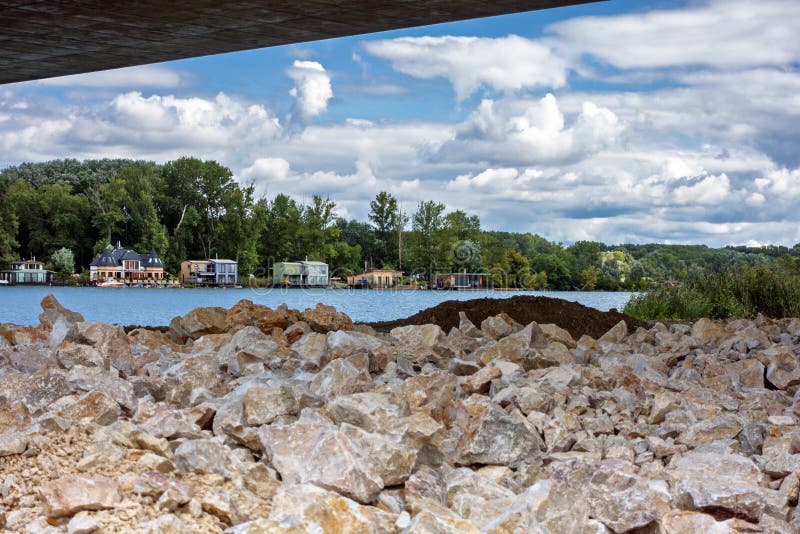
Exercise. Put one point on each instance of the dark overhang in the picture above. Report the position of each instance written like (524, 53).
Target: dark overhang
(47, 38)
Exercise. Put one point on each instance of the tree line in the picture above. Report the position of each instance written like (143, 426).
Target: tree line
(191, 209)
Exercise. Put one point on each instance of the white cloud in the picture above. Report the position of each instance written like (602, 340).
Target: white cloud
(720, 34)
(705, 190)
(498, 131)
(154, 76)
(468, 63)
(312, 89)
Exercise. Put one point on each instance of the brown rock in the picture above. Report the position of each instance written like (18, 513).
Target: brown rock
(263, 404)
(430, 394)
(555, 333)
(480, 381)
(307, 508)
(111, 341)
(199, 322)
(53, 311)
(325, 319)
(219, 503)
(95, 405)
(69, 495)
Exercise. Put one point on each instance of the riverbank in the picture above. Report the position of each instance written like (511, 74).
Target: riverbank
(257, 420)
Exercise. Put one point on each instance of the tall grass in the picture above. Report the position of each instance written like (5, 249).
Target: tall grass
(745, 292)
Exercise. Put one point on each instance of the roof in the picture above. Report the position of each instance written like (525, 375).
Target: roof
(223, 261)
(377, 271)
(27, 261)
(114, 258)
(306, 262)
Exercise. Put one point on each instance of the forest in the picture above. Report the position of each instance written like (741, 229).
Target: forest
(65, 212)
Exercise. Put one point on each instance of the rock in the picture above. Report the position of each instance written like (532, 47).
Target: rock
(201, 456)
(430, 394)
(342, 377)
(746, 373)
(308, 508)
(218, 503)
(263, 404)
(69, 495)
(95, 405)
(12, 443)
(624, 501)
(296, 331)
(248, 351)
(708, 332)
(70, 354)
(324, 319)
(261, 480)
(111, 341)
(479, 382)
(783, 367)
(154, 484)
(710, 481)
(199, 322)
(246, 313)
(341, 344)
(555, 333)
(84, 379)
(467, 327)
(313, 450)
(311, 348)
(424, 488)
(391, 456)
(683, 522)
(461, 367)
(53, 311)
(489, 435)
(372, 411)
(617, 333)
(499, 326)
(82, 523)
(427, 336)
(165, 524)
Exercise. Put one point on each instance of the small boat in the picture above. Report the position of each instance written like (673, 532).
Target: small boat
(4, 283)
(111, 283)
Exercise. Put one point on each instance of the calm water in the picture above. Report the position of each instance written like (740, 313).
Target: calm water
(157, 306)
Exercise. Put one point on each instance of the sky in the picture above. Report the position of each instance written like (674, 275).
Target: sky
(629, 121)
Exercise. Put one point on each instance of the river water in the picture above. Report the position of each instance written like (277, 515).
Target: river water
(155, 307)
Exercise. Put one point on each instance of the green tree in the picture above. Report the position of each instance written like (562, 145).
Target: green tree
(384, 214)
(8, 225)
(63, 261)
(427, 226)
(588, 278)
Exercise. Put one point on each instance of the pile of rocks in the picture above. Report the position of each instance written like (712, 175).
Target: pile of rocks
(254, 420)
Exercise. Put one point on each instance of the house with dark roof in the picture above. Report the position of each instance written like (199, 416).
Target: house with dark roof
(124, 264)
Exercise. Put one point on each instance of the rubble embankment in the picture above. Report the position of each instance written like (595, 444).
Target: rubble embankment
(257, 420)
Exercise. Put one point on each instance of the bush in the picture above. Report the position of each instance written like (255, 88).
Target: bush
(770, 290)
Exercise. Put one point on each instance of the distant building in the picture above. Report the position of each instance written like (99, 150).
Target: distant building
(375, 278)
(462, 281)
(125, 264)
(27, 272)
(210, 272)
(300, 274)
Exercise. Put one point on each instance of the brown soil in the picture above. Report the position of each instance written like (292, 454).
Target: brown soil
(571, 316)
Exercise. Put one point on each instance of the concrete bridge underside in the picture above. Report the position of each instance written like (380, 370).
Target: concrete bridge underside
(46, 38)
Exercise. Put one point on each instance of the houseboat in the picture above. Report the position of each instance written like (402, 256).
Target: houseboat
(375, 279)
(300, 274)
(462, 281)
(26, 272)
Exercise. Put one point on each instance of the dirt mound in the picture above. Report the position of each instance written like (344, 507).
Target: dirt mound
(576, 318)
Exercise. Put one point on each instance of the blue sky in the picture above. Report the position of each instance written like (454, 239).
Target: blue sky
(622, 121)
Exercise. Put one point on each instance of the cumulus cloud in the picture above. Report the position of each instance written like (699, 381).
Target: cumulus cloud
(312, 89)
(154, 76)
(536, 134)
(131, 124)
(720, 34)
(468, 63)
